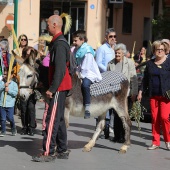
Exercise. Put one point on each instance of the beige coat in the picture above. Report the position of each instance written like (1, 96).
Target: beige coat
(129, 71)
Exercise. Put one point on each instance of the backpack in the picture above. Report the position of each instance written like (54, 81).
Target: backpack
(72, 60)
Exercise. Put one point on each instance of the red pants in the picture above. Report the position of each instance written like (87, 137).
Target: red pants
(160, 110)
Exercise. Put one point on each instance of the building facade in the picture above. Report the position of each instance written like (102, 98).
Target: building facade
(130, 18)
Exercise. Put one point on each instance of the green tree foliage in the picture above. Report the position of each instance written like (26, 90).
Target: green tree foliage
(161, 25)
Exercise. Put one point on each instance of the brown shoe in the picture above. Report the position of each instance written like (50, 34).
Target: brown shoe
(153, 147)
(167, 145)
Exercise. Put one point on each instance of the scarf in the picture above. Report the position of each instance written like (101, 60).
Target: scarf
(84, 49)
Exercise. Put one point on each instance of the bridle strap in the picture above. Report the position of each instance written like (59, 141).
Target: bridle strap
(25, 87)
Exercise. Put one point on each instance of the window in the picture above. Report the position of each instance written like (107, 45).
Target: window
(115, 1)
(127, 18)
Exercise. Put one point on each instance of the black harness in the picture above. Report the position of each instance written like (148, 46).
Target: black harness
(26, 87)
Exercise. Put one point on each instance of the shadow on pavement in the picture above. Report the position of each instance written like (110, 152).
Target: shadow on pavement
(30, 147)
(85, 126)
(80, 144)
(81, 133)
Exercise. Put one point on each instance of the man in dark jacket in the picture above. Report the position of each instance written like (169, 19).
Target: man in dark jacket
(59, 85)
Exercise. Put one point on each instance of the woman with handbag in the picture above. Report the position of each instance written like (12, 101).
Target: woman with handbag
(157, 80)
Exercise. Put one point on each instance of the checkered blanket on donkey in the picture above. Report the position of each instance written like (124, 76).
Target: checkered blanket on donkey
(110, 83)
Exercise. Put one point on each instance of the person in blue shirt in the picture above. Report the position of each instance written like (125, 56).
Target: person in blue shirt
(104, 54)
(7, 107)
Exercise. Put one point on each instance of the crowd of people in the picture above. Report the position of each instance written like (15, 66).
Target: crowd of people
(54, 63)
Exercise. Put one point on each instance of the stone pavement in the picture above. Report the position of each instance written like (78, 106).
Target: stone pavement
(16, 151)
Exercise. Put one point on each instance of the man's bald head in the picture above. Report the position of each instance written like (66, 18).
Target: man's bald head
(57, 20)
(55, 24)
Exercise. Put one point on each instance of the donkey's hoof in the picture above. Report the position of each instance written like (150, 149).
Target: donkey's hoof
(86, 149)
(122, 151)
(67, 125)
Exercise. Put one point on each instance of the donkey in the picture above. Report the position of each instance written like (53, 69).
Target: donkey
(100, 104)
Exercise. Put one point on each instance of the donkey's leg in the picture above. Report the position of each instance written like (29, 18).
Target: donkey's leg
(127, 127)
(66, 116)
(99, 129)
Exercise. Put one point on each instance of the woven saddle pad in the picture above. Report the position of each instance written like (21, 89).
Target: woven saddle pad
(110, 82)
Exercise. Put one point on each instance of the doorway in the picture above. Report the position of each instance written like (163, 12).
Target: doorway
(75, 9)
(147, 34)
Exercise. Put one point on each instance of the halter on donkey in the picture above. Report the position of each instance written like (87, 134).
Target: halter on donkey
(27, 73)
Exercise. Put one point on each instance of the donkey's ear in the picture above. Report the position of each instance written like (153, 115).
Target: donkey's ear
(18, 59)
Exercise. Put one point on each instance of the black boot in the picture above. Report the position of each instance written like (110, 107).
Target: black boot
(31, 131)
(106, 132)
(23, 131)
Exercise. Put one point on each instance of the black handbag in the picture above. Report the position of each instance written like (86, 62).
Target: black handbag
(167, 94)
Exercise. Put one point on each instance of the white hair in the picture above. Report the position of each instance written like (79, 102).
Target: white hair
(4, 44)
(122, 47)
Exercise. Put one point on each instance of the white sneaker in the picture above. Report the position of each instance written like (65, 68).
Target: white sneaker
(110, 130)
(167, 145)
(14, 132)
(153, 147)
(2, 134)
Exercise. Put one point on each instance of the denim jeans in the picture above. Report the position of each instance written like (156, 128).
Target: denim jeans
(7, 113)
(85, 88)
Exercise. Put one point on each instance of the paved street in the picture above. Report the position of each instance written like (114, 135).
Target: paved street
(16, 151)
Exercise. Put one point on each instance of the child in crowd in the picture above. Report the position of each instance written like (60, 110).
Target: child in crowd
(7, 110)
(87, 68)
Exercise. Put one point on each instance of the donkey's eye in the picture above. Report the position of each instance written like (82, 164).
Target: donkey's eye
(30, 75)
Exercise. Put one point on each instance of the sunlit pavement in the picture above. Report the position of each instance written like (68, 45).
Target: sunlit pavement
(16, 151)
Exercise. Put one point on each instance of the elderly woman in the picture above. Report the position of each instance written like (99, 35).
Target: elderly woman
(4, 54)
(157, 80)
(127, 67)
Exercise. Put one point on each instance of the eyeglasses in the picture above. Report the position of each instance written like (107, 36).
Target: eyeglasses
(161, 50)
(112, 36)
(23, 39)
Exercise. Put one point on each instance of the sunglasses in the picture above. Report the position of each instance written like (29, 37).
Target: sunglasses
(161, 50)
(23, 39)
(112, 36)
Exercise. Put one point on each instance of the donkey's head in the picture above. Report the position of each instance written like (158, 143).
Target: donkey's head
(29, 55)
(27, 73)
(28, 81)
